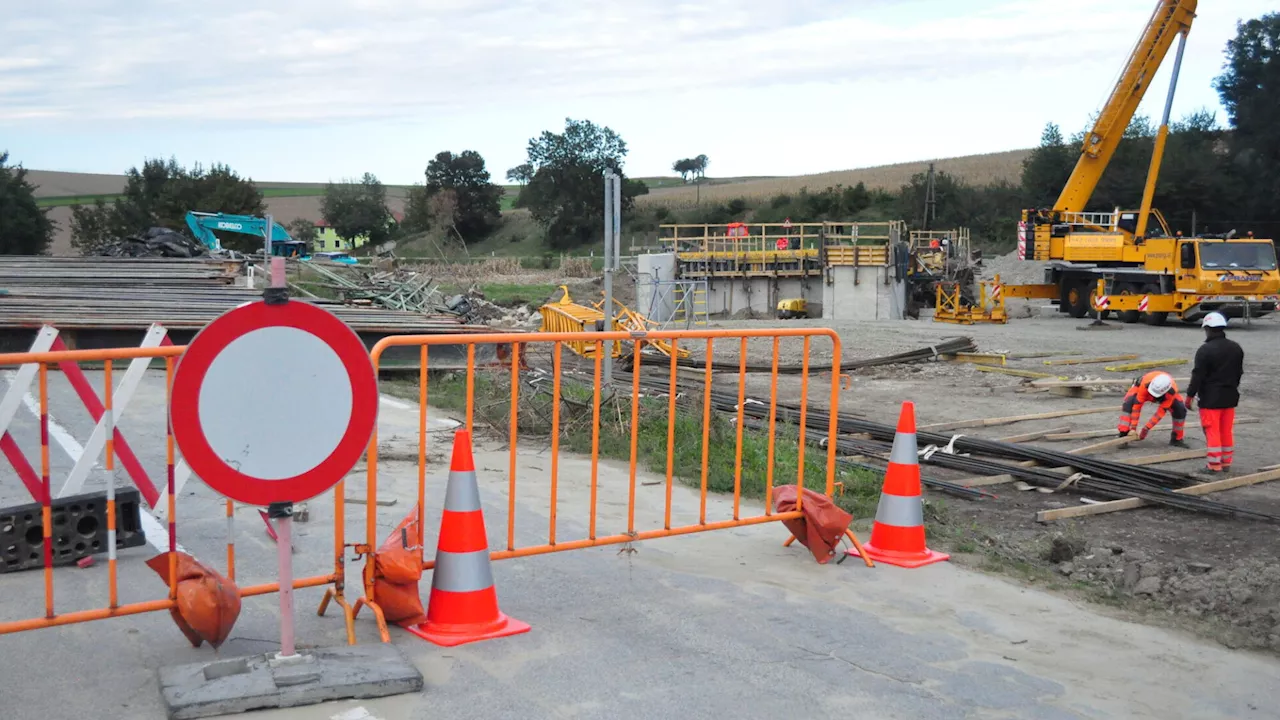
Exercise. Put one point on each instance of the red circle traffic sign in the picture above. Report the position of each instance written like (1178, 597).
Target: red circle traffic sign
(274, 403)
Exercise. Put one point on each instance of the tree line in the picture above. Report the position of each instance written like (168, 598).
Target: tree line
(1213, 179)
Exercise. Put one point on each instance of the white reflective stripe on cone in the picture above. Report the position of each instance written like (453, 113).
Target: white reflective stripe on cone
(904, 449)
(899, 511)
(462, 494)
(462, 572)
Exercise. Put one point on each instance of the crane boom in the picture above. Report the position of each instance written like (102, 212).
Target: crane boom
(1170, 19)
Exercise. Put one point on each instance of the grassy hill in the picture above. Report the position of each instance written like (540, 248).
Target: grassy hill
(288, 201)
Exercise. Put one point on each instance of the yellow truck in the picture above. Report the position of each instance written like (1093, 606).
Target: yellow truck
(1148, 272)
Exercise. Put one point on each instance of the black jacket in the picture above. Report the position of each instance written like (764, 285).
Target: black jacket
(1215, 380)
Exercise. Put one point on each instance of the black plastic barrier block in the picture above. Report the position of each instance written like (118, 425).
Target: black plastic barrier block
(79, 529)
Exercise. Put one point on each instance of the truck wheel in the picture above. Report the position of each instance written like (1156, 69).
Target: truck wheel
(1156, 318)
(1128, 316)
(1077, 299)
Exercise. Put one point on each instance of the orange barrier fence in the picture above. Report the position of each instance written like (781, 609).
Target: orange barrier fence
(521, 345)
(35, 366)
(38, 364)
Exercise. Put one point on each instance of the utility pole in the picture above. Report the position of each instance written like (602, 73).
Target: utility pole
(930, 201)
(612, 247)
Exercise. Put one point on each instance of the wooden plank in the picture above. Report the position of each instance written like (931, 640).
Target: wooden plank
(1090, 434)
(1091, 361)
(1028, 437)
(1100, 382)
(988, 422)
(984, 481)
(1166, 457)
(1038, 355)
(1147, 365)
(976, 358)
(1016, 372)
(1105, 445)
(1130, 503)
(1080, 393)
(1087, 435)
(1269, 467)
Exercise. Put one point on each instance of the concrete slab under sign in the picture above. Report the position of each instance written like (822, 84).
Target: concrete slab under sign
(237, 685)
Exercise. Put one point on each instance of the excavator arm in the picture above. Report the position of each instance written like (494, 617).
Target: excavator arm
(1171, 19)
(202, 226)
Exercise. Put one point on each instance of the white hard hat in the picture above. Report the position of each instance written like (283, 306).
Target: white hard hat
(1160, 385)
(1215, 320)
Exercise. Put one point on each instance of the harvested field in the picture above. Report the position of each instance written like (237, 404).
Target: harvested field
(974, 169)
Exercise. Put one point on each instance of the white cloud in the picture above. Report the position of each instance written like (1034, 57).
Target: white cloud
(981, 71)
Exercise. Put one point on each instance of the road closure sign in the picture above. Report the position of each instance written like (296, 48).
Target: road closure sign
(274, 403)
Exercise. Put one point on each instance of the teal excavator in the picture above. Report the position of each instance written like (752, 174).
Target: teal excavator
(203, 225)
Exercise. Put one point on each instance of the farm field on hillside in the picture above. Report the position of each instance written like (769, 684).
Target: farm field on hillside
(973, 169)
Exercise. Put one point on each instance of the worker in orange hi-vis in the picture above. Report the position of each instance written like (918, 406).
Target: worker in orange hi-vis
(1215, 379)
(1154, 387)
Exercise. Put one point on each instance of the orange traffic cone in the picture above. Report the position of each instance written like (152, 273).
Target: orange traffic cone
(897, 536)
(463, 606)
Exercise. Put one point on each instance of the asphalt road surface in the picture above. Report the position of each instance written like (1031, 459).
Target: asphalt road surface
(719, 624)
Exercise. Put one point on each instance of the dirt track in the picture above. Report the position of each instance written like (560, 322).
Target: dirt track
(1219, 574)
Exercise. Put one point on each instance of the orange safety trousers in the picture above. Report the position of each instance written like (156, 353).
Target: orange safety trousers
(1219, 438)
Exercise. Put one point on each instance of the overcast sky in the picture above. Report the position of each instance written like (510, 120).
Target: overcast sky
(316, 90)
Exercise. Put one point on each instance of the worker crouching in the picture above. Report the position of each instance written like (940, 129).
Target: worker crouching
(1154, 387)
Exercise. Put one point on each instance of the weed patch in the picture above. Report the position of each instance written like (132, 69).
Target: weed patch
(664, 442)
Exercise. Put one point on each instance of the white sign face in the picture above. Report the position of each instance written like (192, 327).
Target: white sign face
(263, 376)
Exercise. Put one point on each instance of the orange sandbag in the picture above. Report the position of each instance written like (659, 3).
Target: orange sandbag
(398, 567)
(822, 525)
(207, 603)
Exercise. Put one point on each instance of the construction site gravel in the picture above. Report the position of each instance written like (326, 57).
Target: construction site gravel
(1214, 575)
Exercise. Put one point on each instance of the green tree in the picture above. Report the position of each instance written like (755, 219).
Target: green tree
(1249, 88)
(991, 211)
(521, 173)
(566, 193)
(161, 194)
(1122, 182)
(303, 230)
(357, 209)
(1195, 181)
(1046, 169)
(684, 167)
(417, 211)
(24, 227)
(699, 166)
(478, 202)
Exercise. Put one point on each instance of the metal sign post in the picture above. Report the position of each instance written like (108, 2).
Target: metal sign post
(275, 352)
(266, 244)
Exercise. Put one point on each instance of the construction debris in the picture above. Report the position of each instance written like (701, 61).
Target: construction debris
(395, 289)
(155, 242)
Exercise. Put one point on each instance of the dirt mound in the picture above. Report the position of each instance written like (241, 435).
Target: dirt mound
(1243, 598)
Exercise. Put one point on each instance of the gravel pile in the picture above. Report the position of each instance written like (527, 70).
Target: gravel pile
(1012, 270)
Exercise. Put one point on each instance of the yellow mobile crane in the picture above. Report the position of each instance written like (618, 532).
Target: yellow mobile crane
(1148, 273)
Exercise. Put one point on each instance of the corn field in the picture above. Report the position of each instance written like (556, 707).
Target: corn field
(973, 169)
